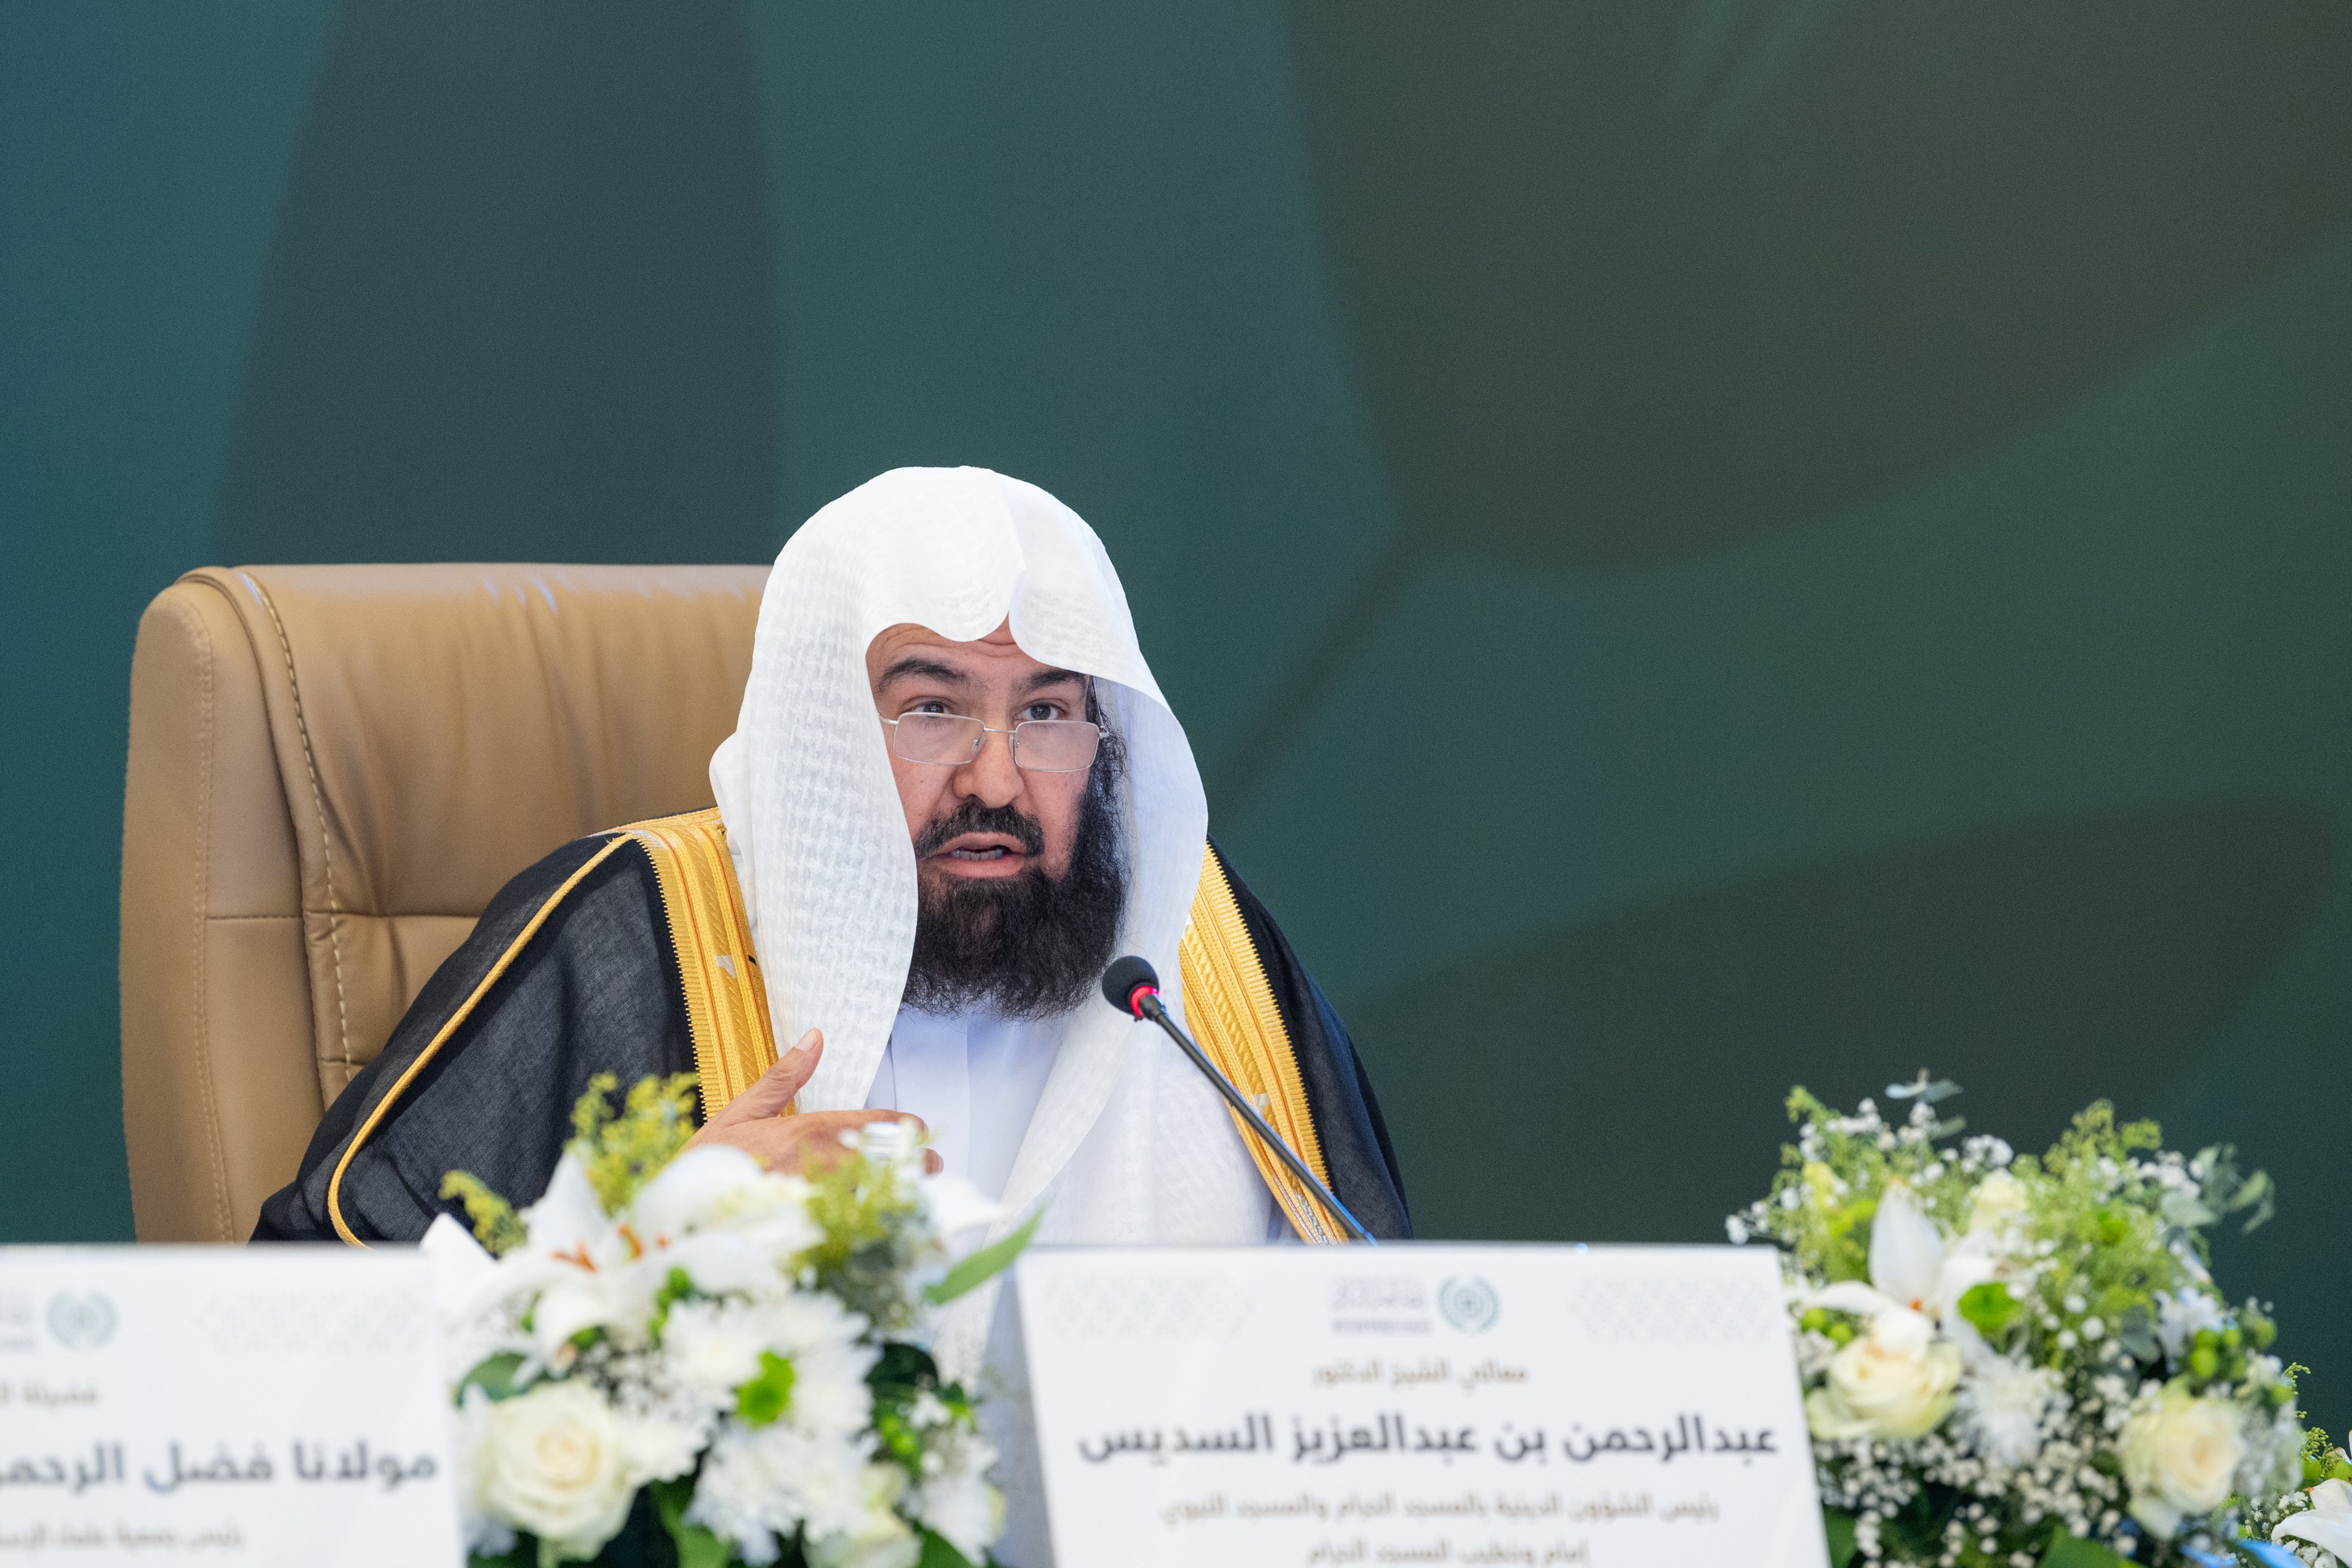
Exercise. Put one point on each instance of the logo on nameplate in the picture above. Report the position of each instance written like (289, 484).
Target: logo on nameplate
(1380, 1304)
(81, 1322)
(1469, 1303)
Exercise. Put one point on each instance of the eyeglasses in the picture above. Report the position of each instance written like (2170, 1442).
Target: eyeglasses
(1039, 745)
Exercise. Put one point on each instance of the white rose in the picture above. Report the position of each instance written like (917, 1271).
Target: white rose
(1895, 1380)
(555, 1464)
(2178, 1455)
(2000, 1197)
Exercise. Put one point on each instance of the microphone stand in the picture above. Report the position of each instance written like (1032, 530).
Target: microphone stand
(1146, 1004)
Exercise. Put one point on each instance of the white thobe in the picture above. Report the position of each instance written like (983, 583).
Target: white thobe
(975, 1080)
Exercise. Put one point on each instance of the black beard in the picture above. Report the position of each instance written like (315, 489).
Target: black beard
(1023, 947)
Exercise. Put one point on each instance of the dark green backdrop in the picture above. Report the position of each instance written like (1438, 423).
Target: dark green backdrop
(1702, 543)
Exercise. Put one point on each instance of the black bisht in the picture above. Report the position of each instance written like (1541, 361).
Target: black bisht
(596, 989)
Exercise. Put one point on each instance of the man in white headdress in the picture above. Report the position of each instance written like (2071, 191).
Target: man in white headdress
(955, 793)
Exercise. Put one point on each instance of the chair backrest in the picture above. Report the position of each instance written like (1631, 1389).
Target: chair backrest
(332, 770)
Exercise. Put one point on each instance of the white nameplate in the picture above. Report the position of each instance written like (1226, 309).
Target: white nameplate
(258, 1405)
(1605, 1406)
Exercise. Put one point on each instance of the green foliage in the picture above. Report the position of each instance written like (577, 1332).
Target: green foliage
(1990, 1308)
(2322, 1459)
(621, 1153)
(761, 1401)
(984, 1265)
(495, 1225)
(495, 1376)
(900, 1377)
(937, 1554)
(697, 1547)
(2105, 1218)
(1838, 1525)
(872, 1220)
(2223, 1193)
(2072, 1551)
(676, 1286)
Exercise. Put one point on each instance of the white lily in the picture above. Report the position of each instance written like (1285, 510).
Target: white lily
(716, 1214)
(1912, 1269)
(466, 1279)
(2328, 1523)
(569, 1220)
(581, 1260)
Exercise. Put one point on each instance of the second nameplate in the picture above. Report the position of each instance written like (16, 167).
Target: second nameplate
(1605, 1406)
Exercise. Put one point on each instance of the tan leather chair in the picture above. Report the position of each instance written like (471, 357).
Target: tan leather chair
(332, 770)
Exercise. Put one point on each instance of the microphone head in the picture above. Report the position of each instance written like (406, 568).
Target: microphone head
(1124, 983)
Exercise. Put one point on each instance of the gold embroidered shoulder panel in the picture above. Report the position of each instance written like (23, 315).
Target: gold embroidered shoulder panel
(726, 1002)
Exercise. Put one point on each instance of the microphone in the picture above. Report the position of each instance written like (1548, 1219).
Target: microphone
(1131, 986)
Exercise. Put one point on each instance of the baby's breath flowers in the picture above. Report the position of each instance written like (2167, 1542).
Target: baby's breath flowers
(2012, 1360)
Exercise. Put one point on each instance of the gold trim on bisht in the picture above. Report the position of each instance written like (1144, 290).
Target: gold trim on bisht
(431, 1047)
(1233, 1017)
(725, 1000)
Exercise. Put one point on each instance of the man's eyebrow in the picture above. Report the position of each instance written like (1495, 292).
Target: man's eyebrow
(915, 666)
(1043, 678)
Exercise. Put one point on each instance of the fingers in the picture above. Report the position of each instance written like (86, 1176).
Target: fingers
(754, 1121)
(823, 1131)
(775, 1088)
(932, 1163)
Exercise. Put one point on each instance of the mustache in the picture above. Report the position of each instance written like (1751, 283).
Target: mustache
(1026, 946)
(972, 816)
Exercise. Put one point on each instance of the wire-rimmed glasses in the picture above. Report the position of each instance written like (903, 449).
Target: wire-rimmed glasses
(953, 739)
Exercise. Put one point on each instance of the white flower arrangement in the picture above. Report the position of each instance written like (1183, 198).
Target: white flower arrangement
(2024, 1362)
(687, 1357)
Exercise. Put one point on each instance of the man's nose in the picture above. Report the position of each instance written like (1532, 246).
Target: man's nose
(992, 778)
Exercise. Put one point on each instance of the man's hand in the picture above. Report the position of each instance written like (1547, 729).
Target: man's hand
(754, 1121)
